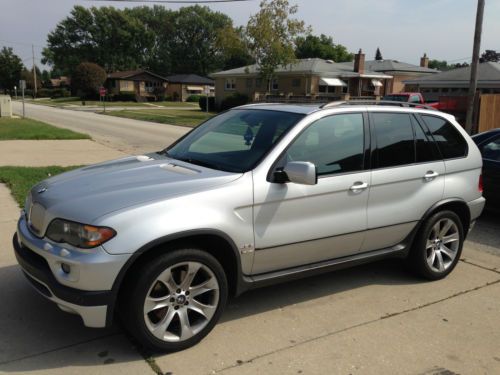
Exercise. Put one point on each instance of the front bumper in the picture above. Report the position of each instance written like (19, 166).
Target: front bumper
(75, 291)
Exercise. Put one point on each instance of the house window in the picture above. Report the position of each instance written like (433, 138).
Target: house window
(296, 82)
(274, 84)
(323, 88)
(249, 83)
(258, 82)
(230, 84)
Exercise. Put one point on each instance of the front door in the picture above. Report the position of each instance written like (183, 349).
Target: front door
(301, 224)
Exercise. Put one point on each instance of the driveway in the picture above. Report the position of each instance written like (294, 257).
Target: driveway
(367, 320)
(126, 135)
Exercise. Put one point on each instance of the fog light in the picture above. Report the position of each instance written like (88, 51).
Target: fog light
(65, 267)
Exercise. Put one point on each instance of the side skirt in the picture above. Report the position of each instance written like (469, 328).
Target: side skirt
(275, 277)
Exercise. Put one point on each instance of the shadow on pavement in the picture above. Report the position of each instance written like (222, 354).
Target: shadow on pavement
(387, 272)
(486, 232)
(31, 326)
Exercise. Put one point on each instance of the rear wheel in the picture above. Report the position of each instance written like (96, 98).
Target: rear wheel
(176, 300)
(438, 247)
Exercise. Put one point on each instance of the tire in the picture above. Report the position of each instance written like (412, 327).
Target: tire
(175, 300)
(436, 250)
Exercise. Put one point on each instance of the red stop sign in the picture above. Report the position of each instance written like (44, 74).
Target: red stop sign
(102, 91)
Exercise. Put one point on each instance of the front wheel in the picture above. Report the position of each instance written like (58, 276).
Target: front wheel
(438, 246)
(176, 300)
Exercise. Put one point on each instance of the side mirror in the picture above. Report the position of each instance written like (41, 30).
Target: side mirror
(301, 172)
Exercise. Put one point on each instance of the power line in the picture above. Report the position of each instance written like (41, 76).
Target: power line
(175, 1)
(21, 43)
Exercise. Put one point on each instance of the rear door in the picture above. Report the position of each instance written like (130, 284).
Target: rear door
(407, 178)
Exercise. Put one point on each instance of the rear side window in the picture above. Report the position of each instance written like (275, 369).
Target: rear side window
(425, 147)
(394, 137)
(447, 137)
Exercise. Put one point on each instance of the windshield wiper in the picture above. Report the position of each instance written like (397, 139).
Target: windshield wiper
(201, 163)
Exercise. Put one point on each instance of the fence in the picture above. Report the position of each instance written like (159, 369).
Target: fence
(489, 114)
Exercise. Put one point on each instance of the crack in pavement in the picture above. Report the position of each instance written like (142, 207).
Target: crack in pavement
(242, 363)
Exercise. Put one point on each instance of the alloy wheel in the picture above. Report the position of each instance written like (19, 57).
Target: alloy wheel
(181, 301)
(442, 245)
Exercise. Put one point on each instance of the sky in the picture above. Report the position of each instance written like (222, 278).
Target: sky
(403, 29)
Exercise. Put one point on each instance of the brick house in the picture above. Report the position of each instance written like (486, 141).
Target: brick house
(456, 82)
(141, 83)
(181, 86)
(304, 80)
(400, 72)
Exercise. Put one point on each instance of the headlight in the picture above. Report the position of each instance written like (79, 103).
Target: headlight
(78, 235)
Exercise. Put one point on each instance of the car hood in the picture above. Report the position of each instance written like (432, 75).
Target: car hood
(88, 193)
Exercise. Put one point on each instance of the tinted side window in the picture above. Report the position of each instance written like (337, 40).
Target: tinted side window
(335, 144)
(491, 150)
(394, 137)
(449, 140)
(425, 147)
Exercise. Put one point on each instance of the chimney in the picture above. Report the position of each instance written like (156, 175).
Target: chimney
(424, 61)
(359, 62)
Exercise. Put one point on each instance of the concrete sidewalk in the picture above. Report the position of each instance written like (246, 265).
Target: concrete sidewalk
(39, 153)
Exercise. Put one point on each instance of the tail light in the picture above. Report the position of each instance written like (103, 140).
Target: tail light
(480, 185)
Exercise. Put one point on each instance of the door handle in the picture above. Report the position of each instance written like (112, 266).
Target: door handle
(430, 175)
(358, 186)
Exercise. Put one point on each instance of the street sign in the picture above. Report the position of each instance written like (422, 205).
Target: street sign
(102, 91)
(22, 84)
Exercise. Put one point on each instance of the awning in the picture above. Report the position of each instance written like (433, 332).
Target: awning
(377, 83)
(195, 88)
(331, 82)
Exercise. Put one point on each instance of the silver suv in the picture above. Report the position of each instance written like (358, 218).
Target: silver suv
(256, 195)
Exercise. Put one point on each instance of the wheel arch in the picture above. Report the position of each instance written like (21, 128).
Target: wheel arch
(457, 205)
(215, 242)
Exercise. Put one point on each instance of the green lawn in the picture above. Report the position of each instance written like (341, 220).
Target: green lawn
(182, 117)
(21, 179)
(25, 128)
(72, 101)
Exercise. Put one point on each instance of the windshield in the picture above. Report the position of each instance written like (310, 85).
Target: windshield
(396, 98)
(234, 141)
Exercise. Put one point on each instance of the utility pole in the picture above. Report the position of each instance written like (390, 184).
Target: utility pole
(34, 70)
(473, 66)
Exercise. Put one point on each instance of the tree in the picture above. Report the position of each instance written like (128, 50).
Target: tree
(233, 43)
(87, 79)
(439, 65)
(378, 54)
(195, 46)
(272, 34)
(490, 55)
(11, 67)
(322, 47)
(27, 75)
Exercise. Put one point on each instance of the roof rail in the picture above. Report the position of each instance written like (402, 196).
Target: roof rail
(375, 102)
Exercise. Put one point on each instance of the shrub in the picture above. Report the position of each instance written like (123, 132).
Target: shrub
(203, 103)
(124, 96)
(60, 93)
(194, 98)
(44, 93)
(234, 100)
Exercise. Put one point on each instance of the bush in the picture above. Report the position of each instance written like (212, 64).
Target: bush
(44, 93)
(234, 100)
(124, 96)
(194, 98)
(203, 103)
(87, 79)
(60, 93)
